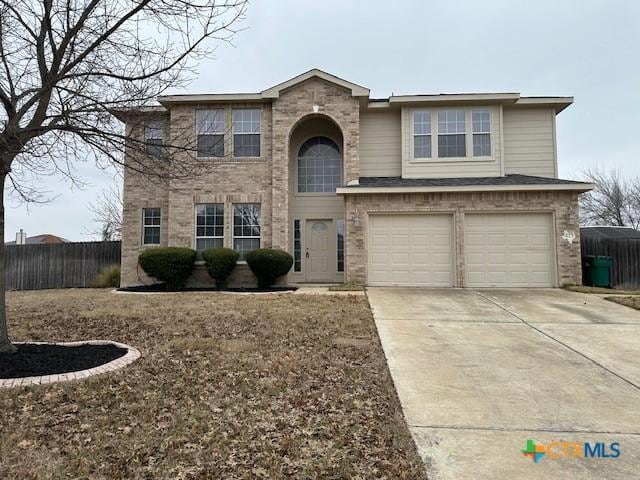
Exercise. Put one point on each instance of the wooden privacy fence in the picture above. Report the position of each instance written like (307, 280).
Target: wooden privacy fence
(58, 265)
(625, 254)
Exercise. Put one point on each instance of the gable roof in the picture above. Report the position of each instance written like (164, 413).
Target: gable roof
(356, 90)
(510, 99)
(269, 93)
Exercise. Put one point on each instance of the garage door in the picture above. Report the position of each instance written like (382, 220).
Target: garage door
(411, 250)
(509, 250)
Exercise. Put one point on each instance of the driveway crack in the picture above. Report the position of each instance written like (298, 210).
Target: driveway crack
(551, 337)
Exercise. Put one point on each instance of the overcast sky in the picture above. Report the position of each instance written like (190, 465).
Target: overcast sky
(586, 49)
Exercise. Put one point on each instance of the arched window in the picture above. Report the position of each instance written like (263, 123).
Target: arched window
(319, 166)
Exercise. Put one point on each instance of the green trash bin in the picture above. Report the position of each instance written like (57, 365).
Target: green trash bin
(601, 271)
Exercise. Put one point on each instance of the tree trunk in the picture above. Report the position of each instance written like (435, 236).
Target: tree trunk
(5, 344)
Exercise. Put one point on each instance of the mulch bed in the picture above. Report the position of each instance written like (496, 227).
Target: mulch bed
(160, 287)
(35, 360)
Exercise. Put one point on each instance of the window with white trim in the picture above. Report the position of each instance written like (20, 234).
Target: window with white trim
(151, 226)
(209, 226)
(319, 166)
(481, 121)
(154, 138)
(297, 246)
(340, 246)
(246, 132)
(452, 133)
(246, 228)
(210, 127)
(421, 134)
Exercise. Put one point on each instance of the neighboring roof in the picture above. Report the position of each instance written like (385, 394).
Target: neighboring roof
(45, 238)
(609, 232)
(506, 183)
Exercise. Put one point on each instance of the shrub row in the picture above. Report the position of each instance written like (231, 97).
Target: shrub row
(173, 265)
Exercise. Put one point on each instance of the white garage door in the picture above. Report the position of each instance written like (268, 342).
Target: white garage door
(411, 250)
(509, 250)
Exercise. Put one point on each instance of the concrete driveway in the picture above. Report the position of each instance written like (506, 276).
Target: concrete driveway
(480, 372)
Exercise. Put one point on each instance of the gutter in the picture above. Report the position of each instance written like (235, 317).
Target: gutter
(576, 187)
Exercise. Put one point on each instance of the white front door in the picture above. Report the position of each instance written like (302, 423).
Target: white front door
(319, 252)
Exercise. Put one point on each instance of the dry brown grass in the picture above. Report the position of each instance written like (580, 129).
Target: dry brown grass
(346, 287)
(601, 290)
(633, 302)
(229, 387)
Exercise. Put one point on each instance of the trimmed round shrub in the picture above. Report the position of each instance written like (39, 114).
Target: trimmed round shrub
(171, 265)
(269, 264)
(220, 263)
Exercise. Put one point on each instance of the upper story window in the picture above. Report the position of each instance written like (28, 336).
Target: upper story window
(151, 226)
(481, 120)
(154, 137)
(210, 126)
(319, 166)
(422, 134)
(452, 133)
(246, 132)
(209, 226)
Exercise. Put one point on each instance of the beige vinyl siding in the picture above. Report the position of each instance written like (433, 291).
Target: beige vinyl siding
(380, 144)
(529, 142)
(451, 168)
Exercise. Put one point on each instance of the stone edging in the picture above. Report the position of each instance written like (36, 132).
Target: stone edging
(118, 292)
(131, 356)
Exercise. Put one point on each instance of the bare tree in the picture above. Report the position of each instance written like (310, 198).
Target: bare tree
(67, 65)
(107, 213)
(613, 201)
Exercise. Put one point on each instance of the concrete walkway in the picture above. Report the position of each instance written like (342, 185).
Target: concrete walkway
(479, 372)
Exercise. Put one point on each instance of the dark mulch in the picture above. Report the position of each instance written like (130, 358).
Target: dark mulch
(34, 360)
(161, 287)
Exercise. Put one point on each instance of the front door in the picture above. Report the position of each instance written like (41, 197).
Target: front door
(318, 251)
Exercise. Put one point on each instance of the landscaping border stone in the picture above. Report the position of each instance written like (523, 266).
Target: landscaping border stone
(218, 292)
(131, 356)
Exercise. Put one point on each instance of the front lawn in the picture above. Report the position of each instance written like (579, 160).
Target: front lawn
(287, 386)
(602, 290)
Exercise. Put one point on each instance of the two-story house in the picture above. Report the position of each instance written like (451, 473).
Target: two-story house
(426, 190)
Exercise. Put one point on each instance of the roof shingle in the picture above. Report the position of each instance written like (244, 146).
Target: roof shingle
(507, 180)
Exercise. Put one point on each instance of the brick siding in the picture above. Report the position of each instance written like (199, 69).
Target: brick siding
(564, 206)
